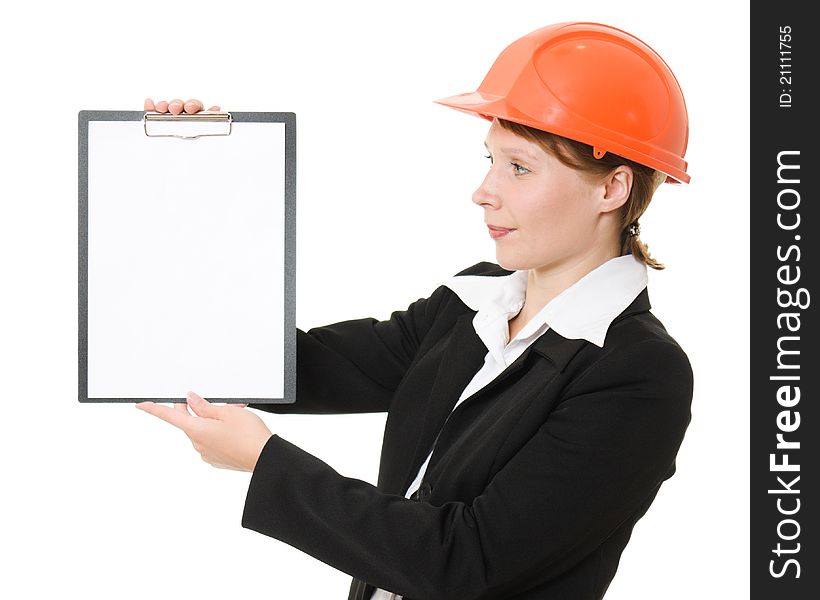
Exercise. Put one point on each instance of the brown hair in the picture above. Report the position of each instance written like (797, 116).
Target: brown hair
(578, 156)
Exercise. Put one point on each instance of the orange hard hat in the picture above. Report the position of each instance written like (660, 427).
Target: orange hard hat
(592, 83)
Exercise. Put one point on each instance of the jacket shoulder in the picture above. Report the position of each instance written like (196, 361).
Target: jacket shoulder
(640, 327)
(641, 344)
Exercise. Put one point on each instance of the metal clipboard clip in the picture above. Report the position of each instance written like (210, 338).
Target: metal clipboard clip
(202, 122)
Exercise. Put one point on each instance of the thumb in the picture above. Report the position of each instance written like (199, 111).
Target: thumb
(200, 406)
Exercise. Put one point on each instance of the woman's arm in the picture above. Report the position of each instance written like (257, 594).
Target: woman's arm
(595, 464)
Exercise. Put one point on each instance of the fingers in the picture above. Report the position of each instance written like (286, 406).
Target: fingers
(202, 407)
(178, 416)
(174, 416)
(193, 106)
(176, 106)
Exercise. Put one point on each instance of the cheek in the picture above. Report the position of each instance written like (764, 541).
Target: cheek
(555, 222)
(542, 218)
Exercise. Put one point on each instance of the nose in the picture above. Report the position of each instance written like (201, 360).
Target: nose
(487, 193)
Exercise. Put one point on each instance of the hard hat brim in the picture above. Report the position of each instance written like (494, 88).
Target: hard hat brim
(490, 106)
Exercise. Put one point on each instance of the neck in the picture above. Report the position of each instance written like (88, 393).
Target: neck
(547, 281)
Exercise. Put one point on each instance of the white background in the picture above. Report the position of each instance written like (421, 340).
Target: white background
(104, 501)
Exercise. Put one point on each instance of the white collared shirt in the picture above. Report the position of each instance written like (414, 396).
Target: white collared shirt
(585, 310)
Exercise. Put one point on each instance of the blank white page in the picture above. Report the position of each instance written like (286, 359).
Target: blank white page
(186, 263)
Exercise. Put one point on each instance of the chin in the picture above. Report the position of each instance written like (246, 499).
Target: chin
(512, 263)
(524, 262)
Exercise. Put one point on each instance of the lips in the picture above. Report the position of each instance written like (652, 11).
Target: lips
(498, 232)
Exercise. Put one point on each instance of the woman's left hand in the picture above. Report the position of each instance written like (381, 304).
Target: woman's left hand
(176, 106)
(227, 437)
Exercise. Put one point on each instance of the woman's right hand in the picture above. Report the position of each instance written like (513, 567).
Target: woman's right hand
(176, 106)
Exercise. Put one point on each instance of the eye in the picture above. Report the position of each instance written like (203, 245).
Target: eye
(519, 170)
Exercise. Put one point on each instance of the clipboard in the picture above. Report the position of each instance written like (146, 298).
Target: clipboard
(187, 266)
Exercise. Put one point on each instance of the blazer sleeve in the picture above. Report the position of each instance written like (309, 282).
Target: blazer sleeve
(355, 366)
(597, 461)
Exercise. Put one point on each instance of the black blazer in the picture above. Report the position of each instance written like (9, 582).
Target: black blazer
(536, 480)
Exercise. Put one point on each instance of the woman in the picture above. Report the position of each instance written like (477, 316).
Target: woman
(534, 406)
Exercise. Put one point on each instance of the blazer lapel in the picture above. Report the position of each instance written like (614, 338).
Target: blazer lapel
(463, 358)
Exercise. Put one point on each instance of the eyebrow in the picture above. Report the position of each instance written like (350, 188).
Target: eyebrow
(518, 151)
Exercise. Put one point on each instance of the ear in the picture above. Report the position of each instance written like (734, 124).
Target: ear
(617, 186)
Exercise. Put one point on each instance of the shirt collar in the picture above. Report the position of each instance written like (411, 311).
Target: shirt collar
(585, 310)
